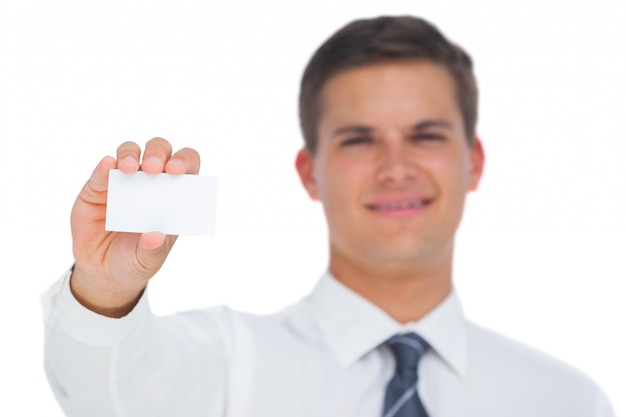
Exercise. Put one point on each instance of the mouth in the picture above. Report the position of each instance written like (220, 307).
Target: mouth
(408, 205)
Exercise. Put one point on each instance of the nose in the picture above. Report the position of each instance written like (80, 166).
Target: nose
(395, 164)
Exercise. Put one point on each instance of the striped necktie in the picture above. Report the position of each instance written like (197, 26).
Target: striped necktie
(401, 397)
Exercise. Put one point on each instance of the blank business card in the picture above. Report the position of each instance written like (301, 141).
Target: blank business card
(171, 204)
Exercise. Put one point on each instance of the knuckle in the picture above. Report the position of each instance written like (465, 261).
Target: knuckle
(128, 147)
(158, 142)
(189, 153)
(158, 146)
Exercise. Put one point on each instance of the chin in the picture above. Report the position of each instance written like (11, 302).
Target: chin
(397, 254)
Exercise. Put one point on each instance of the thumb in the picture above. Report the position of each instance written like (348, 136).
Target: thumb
(152, 249)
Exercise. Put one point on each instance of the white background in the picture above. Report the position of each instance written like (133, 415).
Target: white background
(540, 255)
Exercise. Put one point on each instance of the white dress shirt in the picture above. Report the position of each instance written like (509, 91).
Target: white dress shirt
(320, 357)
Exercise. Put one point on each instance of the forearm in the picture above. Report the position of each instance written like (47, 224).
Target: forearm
(137, 365)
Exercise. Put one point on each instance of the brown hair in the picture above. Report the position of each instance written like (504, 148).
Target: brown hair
(382, 39)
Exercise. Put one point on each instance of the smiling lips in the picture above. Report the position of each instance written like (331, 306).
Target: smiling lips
(403, 207)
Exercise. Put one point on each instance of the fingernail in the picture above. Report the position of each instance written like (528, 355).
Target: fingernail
(152, 160)
(176, 162)
(129, 160)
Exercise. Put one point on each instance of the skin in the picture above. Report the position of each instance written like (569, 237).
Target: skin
(112, 269)
(388, 134)
(392, 133)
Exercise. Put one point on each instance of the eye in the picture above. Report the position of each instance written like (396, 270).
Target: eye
(428, 137)
(355, 141)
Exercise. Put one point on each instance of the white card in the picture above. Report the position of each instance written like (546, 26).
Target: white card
(171, 204)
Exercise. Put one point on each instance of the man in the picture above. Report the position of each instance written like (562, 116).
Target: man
(388, 109)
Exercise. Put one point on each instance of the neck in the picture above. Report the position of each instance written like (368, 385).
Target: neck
(405, 292)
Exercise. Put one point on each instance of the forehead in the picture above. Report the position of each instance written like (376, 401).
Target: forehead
(396, 90)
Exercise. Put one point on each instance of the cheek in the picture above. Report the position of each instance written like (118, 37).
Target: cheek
(338, 187)
(452, 171)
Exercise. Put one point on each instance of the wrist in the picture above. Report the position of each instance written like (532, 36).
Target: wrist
(101, 295)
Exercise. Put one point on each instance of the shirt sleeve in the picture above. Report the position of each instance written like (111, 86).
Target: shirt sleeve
(138, 365)
(604, 407)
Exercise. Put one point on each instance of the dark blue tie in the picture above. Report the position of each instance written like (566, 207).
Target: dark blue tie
(402, 398)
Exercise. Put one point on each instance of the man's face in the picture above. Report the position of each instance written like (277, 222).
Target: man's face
(393, 164)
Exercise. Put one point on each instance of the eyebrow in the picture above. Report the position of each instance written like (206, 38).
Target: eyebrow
(423, 125)
(432, 123)
(361, 129)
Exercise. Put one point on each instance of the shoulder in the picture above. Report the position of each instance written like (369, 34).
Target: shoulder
(493, 350)
(541, 377)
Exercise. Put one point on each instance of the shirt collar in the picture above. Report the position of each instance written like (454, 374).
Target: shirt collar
(354, 326)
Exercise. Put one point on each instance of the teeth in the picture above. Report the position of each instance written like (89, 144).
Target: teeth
(401, 206)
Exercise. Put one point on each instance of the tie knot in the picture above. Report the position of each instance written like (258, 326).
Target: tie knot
(408, 349)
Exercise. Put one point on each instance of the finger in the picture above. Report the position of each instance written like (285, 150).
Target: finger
(152, 249)
(128, 157)
(99, 180)
(151, 241)
(157, 152)
(185, 161)
(154, 240)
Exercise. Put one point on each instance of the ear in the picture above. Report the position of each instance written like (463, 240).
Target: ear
(304, 166)
(477, 160)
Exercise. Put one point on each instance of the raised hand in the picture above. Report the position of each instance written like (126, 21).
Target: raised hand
(112, 268)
